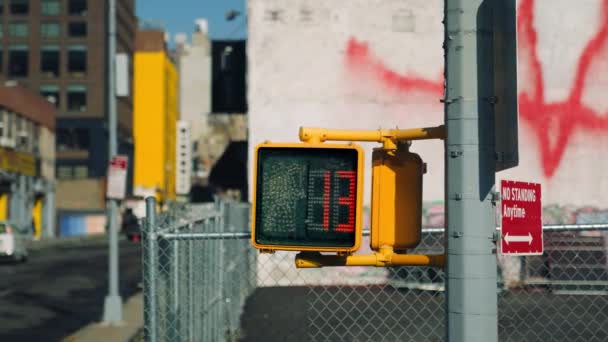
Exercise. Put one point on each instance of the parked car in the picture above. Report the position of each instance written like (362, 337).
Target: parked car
(12, 243)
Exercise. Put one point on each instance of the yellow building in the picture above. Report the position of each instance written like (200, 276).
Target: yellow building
(155, 115)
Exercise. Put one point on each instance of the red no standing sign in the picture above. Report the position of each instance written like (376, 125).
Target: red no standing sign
(521, 211)
(117, 177)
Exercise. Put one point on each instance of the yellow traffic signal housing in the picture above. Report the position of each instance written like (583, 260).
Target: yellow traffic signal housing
(307, 197)
(396, 199)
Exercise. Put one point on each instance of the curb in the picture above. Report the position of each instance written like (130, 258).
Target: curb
(90, 240)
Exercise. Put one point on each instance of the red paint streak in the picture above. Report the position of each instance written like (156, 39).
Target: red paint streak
(565, 116)
(348, 200)
(326, 191)
(553, 123)
(361, 59)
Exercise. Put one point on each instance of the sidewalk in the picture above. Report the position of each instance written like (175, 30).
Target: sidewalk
(133, 317)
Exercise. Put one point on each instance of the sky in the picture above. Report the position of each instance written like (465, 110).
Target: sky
(179, 15)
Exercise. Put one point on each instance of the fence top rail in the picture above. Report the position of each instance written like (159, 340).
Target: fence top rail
(246, 235)
(576, 227)
(547, 228)
(205, 236)
(183, 225)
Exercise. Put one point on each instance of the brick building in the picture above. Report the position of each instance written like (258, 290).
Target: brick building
(58, 48)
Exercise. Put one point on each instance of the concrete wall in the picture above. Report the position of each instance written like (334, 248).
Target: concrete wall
(195, 82)
(372, 63)
(81, 194)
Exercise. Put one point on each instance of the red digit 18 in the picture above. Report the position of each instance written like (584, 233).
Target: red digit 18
(348, 201)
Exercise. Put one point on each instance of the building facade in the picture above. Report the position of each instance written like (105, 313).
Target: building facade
(362, 64)
(58, 48)
(27, 160)
(156, 112)
(212, 99)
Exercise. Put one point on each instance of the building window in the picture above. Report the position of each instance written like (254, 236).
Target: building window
(72, 139)
(22, 136)
(2, 123)
(77, 7)
(1, 61)
(19, 6)
(49, 60)
(1, 6)
(18, 29)
(77, 98)
(18, 61)
(77, 29)
(51, 7)
(77, 60)
(64, 172)
(27, 136)
(62, 136)
(81, 171)
(51, 93)
(72, 172)
(35, 138)
(50, 30)
(8, 125)
(1, 29)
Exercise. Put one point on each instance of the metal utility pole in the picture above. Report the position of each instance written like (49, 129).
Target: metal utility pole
(471, 304)
(113, 304)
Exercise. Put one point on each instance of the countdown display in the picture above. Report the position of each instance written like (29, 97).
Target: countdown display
(307, 198)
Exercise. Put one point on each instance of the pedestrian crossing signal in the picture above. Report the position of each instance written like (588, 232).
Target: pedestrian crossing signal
(307, 197)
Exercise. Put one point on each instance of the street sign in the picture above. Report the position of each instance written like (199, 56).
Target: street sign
(521, 209)
(117, 177)
(307, 197)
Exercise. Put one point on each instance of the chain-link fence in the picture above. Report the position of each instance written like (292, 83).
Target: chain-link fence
(195, 285)
(204, 282)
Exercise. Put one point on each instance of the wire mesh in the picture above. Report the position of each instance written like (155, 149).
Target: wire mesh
(193, 288)
(561, 295)
(215, 287)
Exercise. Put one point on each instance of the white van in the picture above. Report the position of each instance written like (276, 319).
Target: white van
(12, 243)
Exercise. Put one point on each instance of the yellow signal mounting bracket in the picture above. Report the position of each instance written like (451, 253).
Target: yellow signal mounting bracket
(385, 257)
(388, 137)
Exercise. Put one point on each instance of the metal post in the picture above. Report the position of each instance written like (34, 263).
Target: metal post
(191, 299)
(26, 209)
(209, 283)
(471, 308)
(175, 312)
(113, 303)
(220, 322)
(18, 201)
(49, 211)
(150, 263)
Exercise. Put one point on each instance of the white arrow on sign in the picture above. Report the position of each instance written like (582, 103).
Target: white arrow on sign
(518, 238)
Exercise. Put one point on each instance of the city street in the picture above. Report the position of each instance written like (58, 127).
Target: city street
(303, 170)
(61, 288)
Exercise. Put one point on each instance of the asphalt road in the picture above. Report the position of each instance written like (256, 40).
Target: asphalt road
(376, 313)
(61, 288)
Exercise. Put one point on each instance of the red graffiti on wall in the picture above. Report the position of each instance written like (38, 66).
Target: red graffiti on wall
(553, 123)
